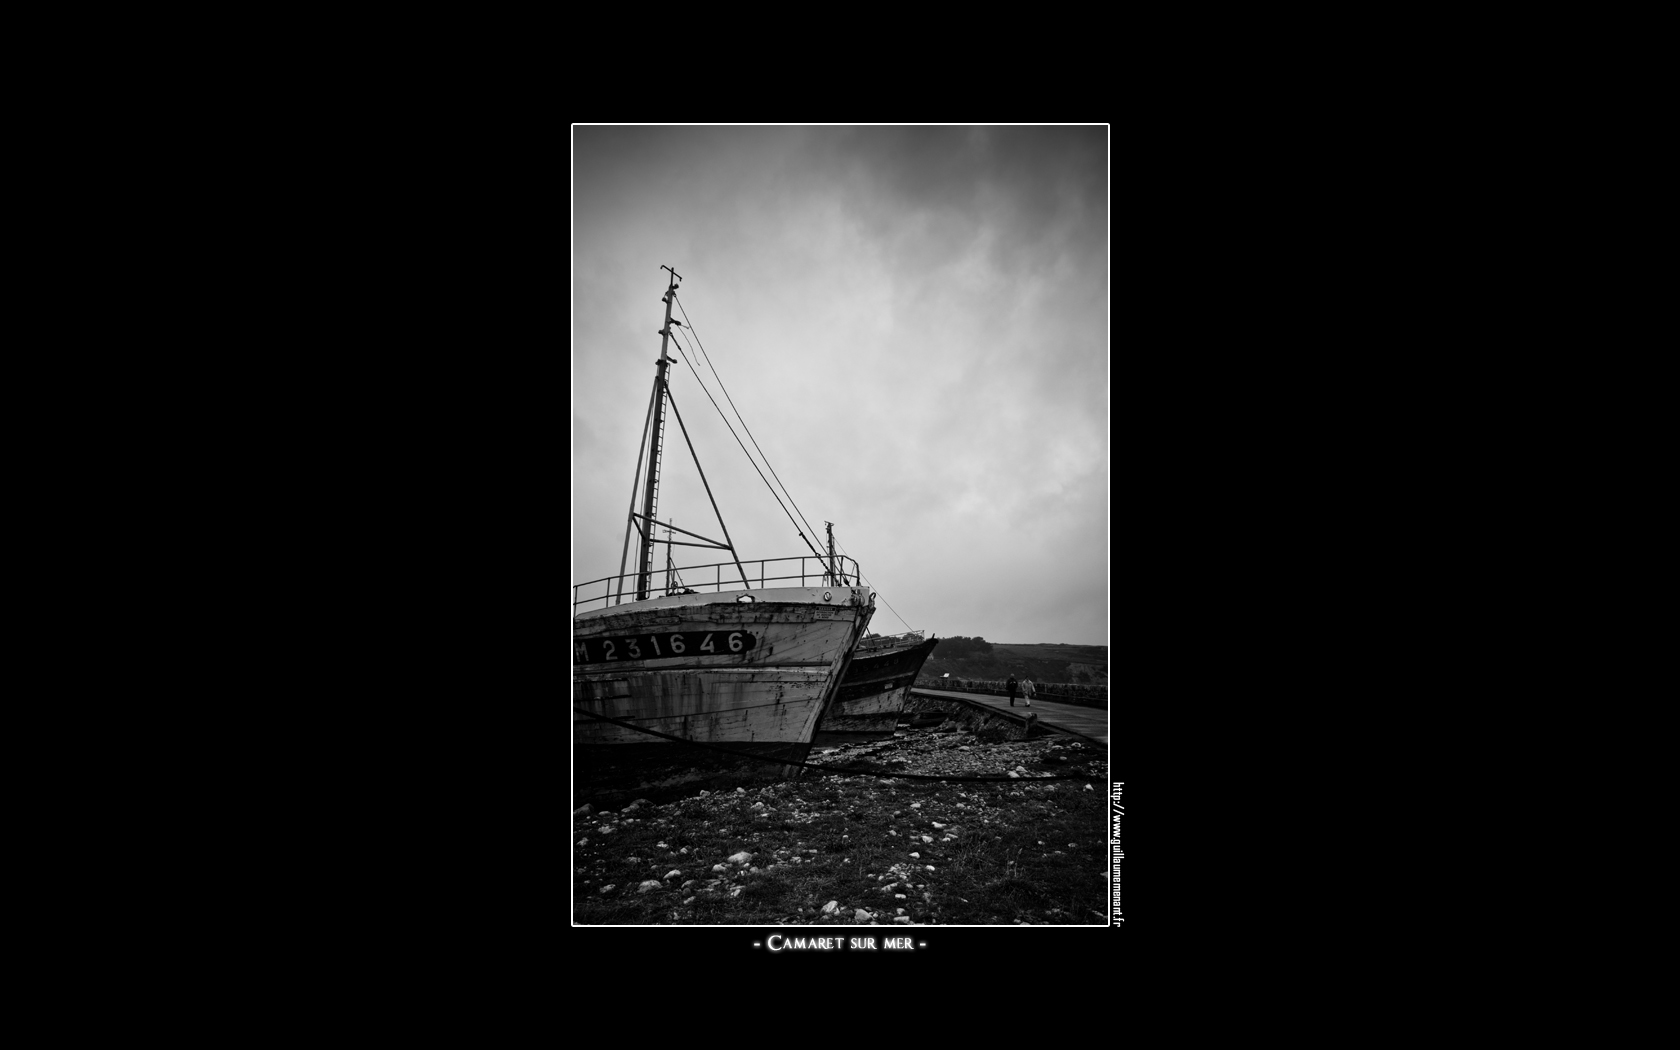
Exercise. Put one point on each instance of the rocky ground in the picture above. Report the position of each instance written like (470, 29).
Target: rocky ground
(951, 749)
(875, 848)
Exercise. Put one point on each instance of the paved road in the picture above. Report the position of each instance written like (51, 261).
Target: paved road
(1090, 722)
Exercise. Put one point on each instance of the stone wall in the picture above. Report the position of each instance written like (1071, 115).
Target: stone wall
(970, 716)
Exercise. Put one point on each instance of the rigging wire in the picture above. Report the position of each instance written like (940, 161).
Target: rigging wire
(708, 359)
(689, 324)
(737, 438)
(872, 587)
(672, 573)
(635, 483)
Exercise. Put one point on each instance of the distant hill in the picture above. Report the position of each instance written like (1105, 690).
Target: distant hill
(1044, 662)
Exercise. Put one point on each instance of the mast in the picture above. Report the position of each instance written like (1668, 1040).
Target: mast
(834, 577)
(645, 563)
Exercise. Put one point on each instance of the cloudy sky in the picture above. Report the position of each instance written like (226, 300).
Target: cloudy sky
(914, 324)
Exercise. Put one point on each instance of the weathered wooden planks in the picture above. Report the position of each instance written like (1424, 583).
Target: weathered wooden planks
(724, 673)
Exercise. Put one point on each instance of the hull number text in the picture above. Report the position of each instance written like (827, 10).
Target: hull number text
(661, 646)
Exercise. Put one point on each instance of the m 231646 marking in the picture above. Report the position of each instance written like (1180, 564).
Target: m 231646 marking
(661, 646)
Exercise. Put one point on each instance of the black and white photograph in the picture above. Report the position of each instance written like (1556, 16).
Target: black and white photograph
(840, 507)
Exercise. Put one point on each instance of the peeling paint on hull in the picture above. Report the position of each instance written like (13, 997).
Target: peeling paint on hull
(767, 697)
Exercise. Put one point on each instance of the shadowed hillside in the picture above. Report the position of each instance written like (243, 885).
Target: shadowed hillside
(1047, 662)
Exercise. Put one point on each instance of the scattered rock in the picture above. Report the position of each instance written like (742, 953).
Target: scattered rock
(927, 754)
(831, 907)
(902, 920)
(651, 884)
(583, 810)
(608, 888)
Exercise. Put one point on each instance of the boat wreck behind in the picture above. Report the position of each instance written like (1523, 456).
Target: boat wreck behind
(876, 685)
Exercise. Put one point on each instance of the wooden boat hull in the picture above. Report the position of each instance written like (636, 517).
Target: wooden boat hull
(753, 677)
(874, 689)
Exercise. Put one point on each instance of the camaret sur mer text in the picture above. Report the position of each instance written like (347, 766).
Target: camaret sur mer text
(781, 943)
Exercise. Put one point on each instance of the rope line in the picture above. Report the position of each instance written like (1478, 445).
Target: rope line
(708, 359)
(871, 586)
(737, 438)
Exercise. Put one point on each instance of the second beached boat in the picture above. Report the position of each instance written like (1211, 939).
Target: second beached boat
(877, 684)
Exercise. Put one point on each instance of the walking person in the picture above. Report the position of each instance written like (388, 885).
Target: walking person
(1013, 685)
(1029, 691)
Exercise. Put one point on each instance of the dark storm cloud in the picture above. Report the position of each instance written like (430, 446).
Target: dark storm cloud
(1040, 189)
(913, 320)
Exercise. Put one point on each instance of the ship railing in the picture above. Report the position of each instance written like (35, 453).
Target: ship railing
(813, 572)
